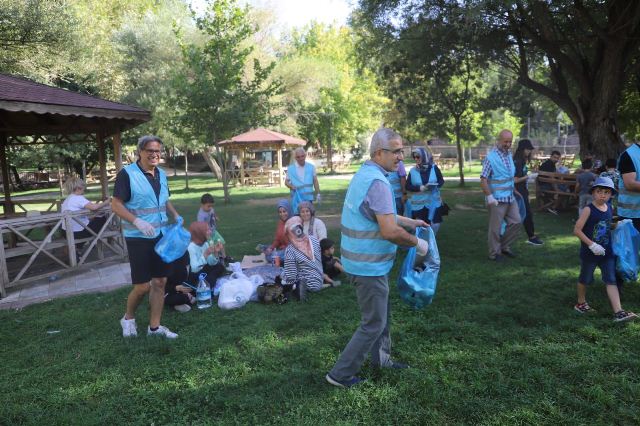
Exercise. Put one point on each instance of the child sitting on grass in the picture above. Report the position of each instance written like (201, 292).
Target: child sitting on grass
(593, 228)
(207, 213)
(331, 266)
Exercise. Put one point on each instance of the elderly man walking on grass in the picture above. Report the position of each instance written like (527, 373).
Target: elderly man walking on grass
(497, 182)
(141, 200)
(302, 180)
(371, 233)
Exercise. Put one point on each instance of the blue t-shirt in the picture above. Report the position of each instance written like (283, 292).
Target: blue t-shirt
(585, 179)
(598, 229)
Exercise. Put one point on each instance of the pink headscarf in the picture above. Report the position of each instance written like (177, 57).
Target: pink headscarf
(297, 237)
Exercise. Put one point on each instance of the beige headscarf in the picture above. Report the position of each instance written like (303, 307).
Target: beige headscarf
(297, 237)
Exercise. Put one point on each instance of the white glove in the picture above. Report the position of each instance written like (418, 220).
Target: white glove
(625, 221)
(422, 247)
(532, 176)
(423, 188)
(491, 201)
(145, 227)
(597, 249)
(318, 198)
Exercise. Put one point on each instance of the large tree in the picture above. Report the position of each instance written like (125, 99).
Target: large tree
(216, 96)
(587, 50)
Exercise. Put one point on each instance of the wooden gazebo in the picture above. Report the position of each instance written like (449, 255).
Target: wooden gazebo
(260, 139)
(32, 113)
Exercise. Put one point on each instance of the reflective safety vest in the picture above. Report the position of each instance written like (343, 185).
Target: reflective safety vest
(501, 182)
(304, 188)
(394, 180)
(363, 250)
(143, 202)
(629, 201)
(429, 198)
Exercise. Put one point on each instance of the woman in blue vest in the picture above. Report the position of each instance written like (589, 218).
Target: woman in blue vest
(423, 186)
(141, 200)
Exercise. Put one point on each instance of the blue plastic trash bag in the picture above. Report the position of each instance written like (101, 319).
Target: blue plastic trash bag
(296, 199)
(522, 209)
(626, 243)
(174, 242)
(417, 285)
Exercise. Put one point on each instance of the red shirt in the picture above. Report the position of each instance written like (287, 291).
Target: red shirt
(280, 241)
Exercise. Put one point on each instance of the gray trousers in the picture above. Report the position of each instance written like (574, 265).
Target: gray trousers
(497, 214)
(372, 335)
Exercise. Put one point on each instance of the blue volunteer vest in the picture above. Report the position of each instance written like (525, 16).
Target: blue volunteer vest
(394, 180)
(143, 202)
(628, 201)
(304, 188)
(429, 198)
(363, 250)
(501, 182)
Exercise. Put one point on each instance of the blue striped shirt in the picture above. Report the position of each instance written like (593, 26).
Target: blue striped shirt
(487, 171)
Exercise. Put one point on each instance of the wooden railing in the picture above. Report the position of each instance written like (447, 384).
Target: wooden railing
(37, 247)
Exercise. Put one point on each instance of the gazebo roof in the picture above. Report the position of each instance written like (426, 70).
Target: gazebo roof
(28, 108)
(261, 136)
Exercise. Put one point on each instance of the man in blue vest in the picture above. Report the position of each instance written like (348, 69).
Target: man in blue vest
(629, 185)
(141, 200)
(371, 233)
(497, 182)
(302, 180)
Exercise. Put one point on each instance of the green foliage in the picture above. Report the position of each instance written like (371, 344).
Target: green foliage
(326, 92)
(499, 345)
(214, 97)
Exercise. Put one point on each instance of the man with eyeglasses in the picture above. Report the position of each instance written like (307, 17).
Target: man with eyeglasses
(498, 184)
(141, 200)
(302, 180)
(371, 233)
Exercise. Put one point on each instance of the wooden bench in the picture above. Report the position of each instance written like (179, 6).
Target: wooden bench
(551, 187)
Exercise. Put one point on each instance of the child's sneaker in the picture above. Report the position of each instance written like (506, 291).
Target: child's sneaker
(583, 308)
(622, 316)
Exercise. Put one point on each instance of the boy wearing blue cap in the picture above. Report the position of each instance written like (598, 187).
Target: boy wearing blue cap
(593, 228)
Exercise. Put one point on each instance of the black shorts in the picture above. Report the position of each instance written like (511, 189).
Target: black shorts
(145, 262)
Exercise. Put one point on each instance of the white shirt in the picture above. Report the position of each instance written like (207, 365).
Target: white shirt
(74, 203)
(319, 229)
(300, 170)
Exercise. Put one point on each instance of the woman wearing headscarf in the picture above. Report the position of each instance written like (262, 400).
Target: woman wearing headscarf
(203, 257)
(310, 223)
(302, 258)
(423, 185)
(280, 240)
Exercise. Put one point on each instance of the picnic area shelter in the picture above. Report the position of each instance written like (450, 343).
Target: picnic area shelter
(32, 113)
(250, 171)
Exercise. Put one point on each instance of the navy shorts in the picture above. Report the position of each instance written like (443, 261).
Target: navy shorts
(144, 261)
(607, 267)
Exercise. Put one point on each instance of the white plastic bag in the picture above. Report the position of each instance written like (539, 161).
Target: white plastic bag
(235, 293)
(256, 281)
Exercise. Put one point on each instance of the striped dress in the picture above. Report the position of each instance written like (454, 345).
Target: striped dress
(298, 267)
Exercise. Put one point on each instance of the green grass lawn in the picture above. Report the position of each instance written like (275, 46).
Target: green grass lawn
(500, 344)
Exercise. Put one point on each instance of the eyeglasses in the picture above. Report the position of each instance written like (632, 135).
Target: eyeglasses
(397, 152)
(153, 151)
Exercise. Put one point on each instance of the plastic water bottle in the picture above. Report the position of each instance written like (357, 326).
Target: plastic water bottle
(203, 293)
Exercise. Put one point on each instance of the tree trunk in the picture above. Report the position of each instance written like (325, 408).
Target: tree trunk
(186, 169)
(600, 138)
(222, 160)
(212, 163)
(330, 147)
(460, 155)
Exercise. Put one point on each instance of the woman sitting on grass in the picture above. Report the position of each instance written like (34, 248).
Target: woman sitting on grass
(280, 240)
(302, 258)
(76, 201)
(310, 223)
(202, 256)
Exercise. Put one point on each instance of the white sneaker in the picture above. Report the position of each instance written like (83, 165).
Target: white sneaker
(129, 328)
(162, 331)
(182, 308)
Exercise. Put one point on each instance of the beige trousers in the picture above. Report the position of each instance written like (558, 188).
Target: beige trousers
(497, 214)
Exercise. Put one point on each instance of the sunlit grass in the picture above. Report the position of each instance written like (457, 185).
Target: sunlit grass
(499, 345)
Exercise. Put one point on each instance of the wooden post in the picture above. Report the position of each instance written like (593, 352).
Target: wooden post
(117, 151)
(104, 181)
(280, 168)
(6, 183)
(242, 182)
